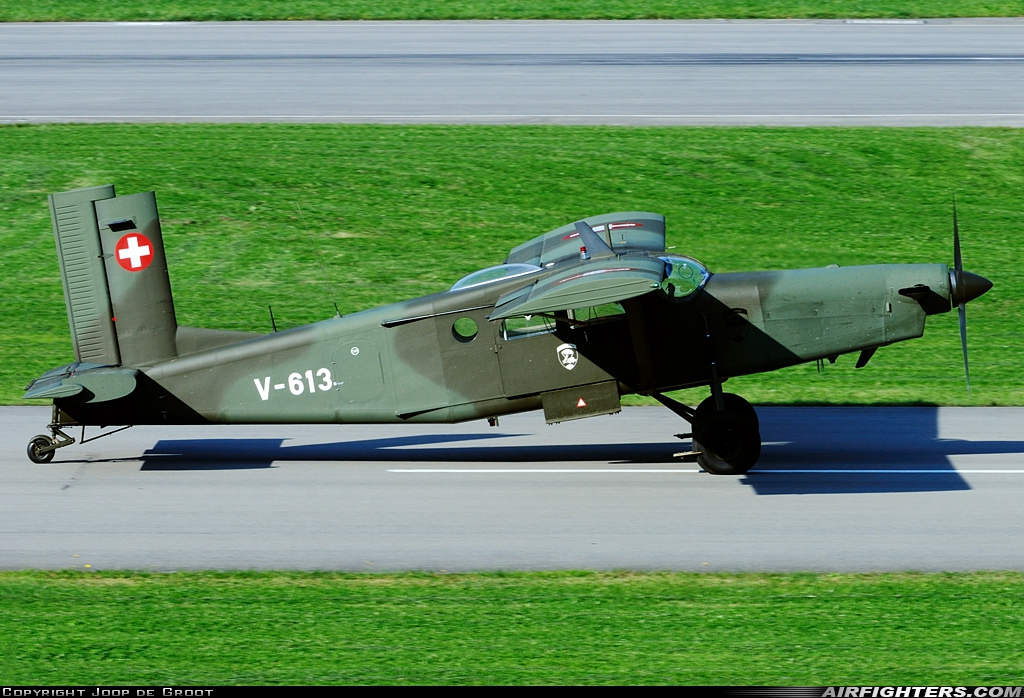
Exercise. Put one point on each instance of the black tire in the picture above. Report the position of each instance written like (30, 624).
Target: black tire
(37, 443)
(728, 443)
(734, 403)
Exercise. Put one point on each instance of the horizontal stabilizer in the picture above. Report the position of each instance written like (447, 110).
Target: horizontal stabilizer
(100, 384)
(595, 283)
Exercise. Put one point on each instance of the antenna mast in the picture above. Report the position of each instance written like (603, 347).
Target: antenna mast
(316, 252)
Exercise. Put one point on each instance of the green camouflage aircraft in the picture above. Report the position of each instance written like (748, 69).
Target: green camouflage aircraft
(568, 323)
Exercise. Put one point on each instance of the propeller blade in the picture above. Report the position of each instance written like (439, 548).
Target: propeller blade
(958, 262)
(960, 296)
(962, 312)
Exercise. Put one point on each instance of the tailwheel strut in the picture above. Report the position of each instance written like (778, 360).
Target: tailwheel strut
(41, 447)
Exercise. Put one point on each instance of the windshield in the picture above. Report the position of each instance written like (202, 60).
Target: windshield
(492, 274)
(683, 276)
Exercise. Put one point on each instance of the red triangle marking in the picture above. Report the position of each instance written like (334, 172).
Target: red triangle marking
(581, 403)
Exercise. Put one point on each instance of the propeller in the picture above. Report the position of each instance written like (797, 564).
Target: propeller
(958, 293)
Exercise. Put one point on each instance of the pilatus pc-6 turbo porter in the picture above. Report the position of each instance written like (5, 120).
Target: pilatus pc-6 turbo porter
(570, 322)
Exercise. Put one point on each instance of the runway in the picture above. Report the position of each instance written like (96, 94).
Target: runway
(799, 72)
(837, 489)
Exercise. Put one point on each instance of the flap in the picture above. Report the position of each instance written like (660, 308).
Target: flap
(594, 283)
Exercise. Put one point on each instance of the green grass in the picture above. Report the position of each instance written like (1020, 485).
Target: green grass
(403, 211)
(106, 10)
(526, 628)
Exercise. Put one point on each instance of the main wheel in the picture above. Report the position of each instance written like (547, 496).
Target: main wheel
(734, 403)
(37, 443)
(728, 442)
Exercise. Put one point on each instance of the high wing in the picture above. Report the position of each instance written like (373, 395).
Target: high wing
(627, 231)
(592, 283)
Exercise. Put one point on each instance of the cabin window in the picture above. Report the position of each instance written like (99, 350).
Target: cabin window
(528, 326)
(464, 329)
(597, 313)
(491, 275)
(683, 276)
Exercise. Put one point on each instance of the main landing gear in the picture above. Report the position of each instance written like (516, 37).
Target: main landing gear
(726, 441)
(42, 447)
(726, 431)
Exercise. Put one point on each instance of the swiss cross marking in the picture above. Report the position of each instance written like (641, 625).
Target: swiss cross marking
(134, 252)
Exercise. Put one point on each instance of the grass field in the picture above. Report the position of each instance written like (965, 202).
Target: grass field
(529, 628)
(178, 10)
(404, 211)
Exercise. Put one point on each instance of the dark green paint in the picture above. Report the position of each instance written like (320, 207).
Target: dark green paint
(406, 362)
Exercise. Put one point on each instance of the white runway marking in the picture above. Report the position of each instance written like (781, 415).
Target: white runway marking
(870, 71)
(804, 471)
(544, 470)
(883, 471)
(210, 497)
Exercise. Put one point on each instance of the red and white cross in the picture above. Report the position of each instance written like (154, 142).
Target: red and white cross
(134, 252)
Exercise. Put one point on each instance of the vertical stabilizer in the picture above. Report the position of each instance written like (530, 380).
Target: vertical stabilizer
(140, 288)
(116, 285)
(81, 268)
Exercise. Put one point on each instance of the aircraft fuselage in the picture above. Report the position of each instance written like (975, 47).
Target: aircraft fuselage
(408, 362)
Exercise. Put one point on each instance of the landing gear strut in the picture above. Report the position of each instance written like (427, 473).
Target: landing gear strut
(726, 431)
(42, 447)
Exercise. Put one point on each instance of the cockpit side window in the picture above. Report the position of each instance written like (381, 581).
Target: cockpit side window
(528, 326)
(683, 276)
(597, 313)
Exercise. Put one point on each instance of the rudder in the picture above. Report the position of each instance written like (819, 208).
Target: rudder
(116, 284)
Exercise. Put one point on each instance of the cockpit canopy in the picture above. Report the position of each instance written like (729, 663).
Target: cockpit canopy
(683, 276)
(493, 274)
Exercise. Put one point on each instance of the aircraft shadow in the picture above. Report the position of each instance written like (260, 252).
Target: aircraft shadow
(805, 447)
(230, 454)
(855, 440)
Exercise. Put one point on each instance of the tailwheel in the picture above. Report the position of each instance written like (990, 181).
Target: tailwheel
(728, 442)
(35, 446)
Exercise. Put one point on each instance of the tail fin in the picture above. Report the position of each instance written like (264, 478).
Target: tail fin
(116, 286)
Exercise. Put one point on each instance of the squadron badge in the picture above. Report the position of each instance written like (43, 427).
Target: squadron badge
(568, 356)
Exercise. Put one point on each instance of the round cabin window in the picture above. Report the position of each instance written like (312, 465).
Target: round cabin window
(465, 329)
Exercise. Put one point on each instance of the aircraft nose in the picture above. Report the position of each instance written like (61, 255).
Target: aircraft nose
(974, 286)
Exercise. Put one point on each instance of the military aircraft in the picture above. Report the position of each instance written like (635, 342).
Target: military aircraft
(568, 323)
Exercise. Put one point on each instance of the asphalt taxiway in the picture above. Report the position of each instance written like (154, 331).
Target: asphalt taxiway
(796, 72)
(845, 489)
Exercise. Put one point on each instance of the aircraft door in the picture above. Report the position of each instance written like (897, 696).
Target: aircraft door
(469, 354)
(533, 359)
(418, 371)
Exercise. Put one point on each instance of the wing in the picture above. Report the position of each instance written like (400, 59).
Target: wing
(594, 283)
(627, 231)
